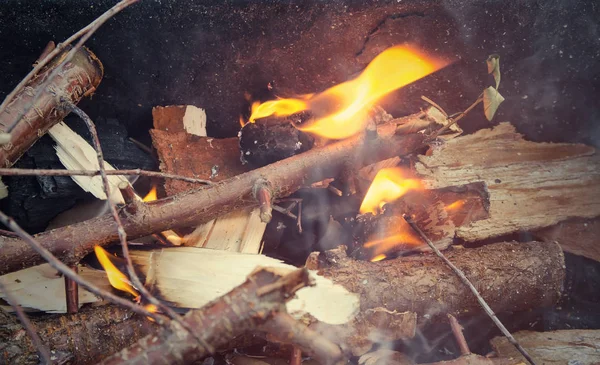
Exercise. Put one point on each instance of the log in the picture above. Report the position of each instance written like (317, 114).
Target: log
(71, 243)
(510, 277)
(78, 78)
(580, 347)
(576, 236)
(245, 308)
(531, 185)
(83, 338)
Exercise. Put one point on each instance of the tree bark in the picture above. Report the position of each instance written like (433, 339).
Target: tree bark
(82, 338)
(510, 277)
(190, 208)
(78, 78)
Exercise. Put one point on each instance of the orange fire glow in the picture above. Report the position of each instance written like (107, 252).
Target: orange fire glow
(403, 236)
(456, 205)
(151, 196)
(378, 258)
(171, 236)
(389, 184)
(115, 277)
(152, 309)
(340, 111)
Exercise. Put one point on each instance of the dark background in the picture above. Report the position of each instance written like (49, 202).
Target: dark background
(210, 53)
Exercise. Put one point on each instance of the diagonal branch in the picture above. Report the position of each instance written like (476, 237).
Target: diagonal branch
(201, 205)
(85, 34)
(133, 172)
(65, 270)
(474, 290)
(120, 230)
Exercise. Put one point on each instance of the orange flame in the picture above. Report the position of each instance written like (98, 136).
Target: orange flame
(151, 196)
(340, 110)
(456, 205)
(389, 184)
(152, 309)
(401, 235)
(171, 236)
(115, 277)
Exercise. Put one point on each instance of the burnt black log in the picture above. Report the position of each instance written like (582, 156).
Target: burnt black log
(271, 139)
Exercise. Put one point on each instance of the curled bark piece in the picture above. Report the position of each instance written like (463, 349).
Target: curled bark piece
(77, 78)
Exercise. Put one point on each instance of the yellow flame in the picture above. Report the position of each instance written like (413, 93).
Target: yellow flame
(340, 111)
(115, 277)
(378, 258)
(401, 235)
(456, 205)
(152, 309)
(389, 184)
(151, 196)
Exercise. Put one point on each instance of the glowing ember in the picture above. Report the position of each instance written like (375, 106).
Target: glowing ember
(340, 111)
(115, 277)
(151, 196)
(389, 184)
(456, 205)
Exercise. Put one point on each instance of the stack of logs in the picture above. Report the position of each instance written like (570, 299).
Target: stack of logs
(505, 185)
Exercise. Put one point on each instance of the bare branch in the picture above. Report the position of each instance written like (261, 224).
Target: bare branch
(65, 270)
(464, 279)
(133, 172)
(85, 33)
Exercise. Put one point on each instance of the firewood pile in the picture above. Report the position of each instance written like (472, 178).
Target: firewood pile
(326, 232)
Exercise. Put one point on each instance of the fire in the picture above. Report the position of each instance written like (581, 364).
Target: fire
(152, 309)
(171, 236)
(402, 236)
(151, 196)
(340, 111)
(378, 258)
(389, 184)
(456, 205)
(115, 277)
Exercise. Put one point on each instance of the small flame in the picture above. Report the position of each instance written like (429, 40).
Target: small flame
(401, 236)
(170, 235)
(456, 205)
(151, 196)
(389, 184)
(115, 277)
(378, 258)
(152, 309)
(340, 110)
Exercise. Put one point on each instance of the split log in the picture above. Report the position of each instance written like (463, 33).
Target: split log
(83, 338)
(580, 347)
(71, 243)
(245, 308)
(531, 185)
(576, 236)
(510, 276)
(78, 78)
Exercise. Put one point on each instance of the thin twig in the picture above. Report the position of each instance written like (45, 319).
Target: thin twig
(435, 105)
(133, 172)
(464, 279)
(65, 270)
(85, 34)
(457, 330)
(26, 323)
(120, 230)
(72, 293)
(453, 120)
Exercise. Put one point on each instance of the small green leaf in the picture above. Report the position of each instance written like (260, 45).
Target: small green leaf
(493, 65)
(491, 100)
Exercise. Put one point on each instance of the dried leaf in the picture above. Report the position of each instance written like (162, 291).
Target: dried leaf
(493, 65)
(491, 100)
